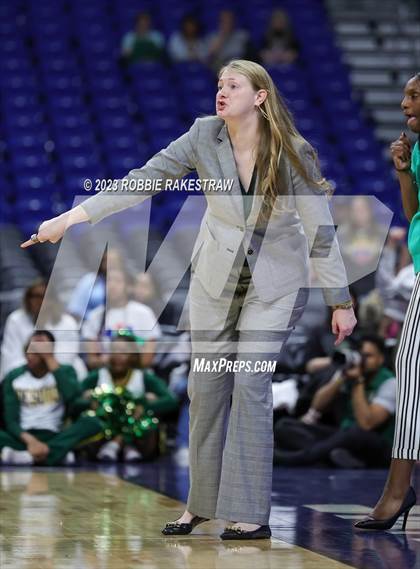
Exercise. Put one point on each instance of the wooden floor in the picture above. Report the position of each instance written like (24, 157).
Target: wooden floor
(88, 520)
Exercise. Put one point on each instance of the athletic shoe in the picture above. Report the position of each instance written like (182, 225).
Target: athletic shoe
(182, 457)
(131, 454)
(109, 452)
(69, 459)
(16, 457)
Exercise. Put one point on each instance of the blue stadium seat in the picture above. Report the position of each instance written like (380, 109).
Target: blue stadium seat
(74, 160)
(120, 163)
(115, 121)
(29, 139)
(67, 64)
(67, 102)
(70, 120)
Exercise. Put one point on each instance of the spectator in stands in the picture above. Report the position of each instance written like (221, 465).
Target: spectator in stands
(366, 431)
(396, 304)
(149, 392)
(123, 313)
(280, 46)
(90, 290)
(394, 280)
(228, 42)
(318, 356)
(145, 290)
(187, 44)
(320, 345)
(20, 324)
(38, 397)
(95, 355)
(361, 241)
(144, 43)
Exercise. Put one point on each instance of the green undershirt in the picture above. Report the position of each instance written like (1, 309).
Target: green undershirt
(251, 190)
(414, 229)
(386, 430)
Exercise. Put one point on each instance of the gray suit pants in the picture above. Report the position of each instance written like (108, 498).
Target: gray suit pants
(231, 446)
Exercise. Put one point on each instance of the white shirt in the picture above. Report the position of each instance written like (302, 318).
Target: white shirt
(181, 50)
(386, 396)
(41, 406)
(134, 316)
(17, 331)
(135, 384)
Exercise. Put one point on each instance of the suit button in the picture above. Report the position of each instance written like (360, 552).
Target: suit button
(250, 251)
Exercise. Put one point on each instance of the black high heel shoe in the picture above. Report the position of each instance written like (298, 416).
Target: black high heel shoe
(370, 522)
(263, 532)
(176, 528)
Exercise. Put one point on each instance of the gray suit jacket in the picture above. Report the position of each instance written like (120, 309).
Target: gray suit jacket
(277, 252)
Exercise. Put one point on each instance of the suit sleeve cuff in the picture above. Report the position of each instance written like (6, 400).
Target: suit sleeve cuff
(334, 296)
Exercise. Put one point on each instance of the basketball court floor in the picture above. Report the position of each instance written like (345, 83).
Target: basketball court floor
(111, 517)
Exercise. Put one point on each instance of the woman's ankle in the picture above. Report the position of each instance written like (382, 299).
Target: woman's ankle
(186, 515)
(396, 493)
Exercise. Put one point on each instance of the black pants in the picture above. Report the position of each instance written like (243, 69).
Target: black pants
(313, 443)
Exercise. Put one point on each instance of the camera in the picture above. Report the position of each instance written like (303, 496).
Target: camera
(347, 358)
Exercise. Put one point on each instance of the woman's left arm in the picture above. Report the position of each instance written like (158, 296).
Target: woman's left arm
(313, 209)
(173, 162)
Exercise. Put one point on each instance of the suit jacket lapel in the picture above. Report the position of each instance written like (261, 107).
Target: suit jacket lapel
(228, 165)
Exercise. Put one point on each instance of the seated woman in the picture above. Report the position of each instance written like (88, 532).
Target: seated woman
(89, 292)
(228, 41)
(40, 311)
(121, 312)
(280, 46)
(42, 402)
(143, 43)
(187, 44)
(142, 395)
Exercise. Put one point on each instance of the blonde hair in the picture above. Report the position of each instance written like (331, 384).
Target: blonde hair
(277, 131)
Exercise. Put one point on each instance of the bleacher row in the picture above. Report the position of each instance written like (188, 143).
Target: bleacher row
(380, 40)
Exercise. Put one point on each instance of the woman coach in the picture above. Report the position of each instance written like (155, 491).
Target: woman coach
(250, 268)
(399, 497)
